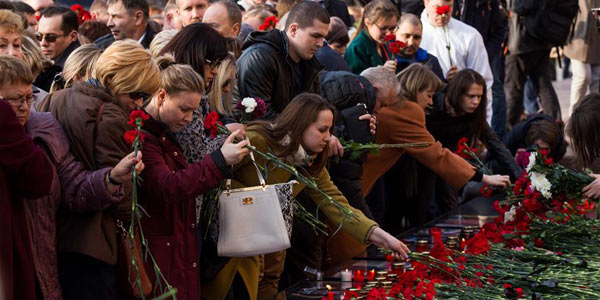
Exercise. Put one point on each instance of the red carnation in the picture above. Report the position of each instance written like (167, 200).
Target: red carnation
(350, 294)
(269, 23)
(82, 14)
(396, 47)
(443, 10)
(478, 244)
(519, 292)
(137, 114)
(211, 123)
(548, 161)
(130, 135)
(390, 38)
(539, 243)
(486, 191)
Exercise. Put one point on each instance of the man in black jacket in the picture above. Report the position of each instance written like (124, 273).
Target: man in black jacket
(529, 56)
(128, 19)
(278, 65)
(57, 33)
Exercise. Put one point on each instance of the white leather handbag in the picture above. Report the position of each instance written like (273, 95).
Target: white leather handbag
(251, 221)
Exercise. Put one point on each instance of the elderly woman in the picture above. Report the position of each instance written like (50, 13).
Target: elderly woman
(94, 115)
(11, 42)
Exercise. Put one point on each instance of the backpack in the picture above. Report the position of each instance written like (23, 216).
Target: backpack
(553, 21)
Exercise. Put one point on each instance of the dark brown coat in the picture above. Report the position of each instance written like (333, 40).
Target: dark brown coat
(100, 145)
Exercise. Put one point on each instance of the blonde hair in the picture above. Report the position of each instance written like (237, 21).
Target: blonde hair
(375, 11)
(11, 21)
(415, 79)
(126, 67)
(176, 78)
(14, 71)
(161, 40)
(33, 56)
(223, 103)
(80, 63)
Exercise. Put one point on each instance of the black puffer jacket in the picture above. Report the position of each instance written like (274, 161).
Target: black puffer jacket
(353, 96)
(449, 129)
(515, 139)
(265, 70)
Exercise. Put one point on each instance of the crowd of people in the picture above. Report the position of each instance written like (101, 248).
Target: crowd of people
(432, 72)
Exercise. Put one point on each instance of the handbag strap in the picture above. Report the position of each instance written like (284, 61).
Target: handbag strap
(261, 179)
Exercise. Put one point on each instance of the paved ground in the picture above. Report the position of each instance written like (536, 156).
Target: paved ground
(563, 88)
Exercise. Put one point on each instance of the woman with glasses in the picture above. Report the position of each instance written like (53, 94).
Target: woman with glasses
(368, 48)
(95, 116)
(74, 188)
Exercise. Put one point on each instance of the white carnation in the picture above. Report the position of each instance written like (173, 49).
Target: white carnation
(509, 216)
(531, 161)
(249, 104)
(540, 183)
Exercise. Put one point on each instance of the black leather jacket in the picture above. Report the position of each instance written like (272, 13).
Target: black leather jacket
(265, 70)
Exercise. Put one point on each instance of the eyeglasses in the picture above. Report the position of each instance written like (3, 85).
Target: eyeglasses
(50, 37)
(212, 64)
(139, 95)
(387, 28)
(18, 101)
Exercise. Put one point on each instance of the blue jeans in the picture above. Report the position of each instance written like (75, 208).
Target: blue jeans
(531, 98)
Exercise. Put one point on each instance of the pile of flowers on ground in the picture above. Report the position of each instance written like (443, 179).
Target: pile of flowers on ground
(543, 245)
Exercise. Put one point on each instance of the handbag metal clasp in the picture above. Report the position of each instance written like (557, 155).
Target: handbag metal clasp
(247, 201)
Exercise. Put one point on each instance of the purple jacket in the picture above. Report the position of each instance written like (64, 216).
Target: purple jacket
(73, 188)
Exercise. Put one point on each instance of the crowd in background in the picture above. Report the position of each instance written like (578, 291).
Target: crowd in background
(434, 72)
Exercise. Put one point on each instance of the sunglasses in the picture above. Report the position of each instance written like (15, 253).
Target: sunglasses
(139, 95)
(50, 37)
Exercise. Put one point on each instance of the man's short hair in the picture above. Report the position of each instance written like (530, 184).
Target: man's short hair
(305, 13)
(98, 4)
(132, 5)
(23, 7)
(234, 13)
(90, 31)
(410, 18)
(14, 71)
(70, 21)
